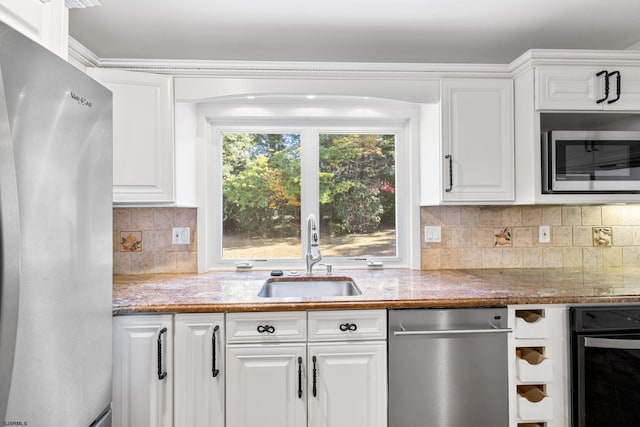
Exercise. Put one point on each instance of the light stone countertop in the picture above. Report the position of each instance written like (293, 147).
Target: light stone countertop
(389, 288)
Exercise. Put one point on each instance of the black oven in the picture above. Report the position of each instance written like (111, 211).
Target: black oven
(605, 359)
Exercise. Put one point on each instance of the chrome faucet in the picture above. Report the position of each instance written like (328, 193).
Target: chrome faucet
(313, 241)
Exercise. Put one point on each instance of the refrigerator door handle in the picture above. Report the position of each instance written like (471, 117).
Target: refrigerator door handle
(9, 253)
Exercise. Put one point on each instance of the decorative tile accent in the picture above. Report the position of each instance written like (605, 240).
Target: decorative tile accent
(502, 237)
(160, 255)
(602, 236)
(131, 241)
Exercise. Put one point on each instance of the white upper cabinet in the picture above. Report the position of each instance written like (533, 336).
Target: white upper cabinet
(587, 88)
(477, 140)
(143, 135)
(43, 22)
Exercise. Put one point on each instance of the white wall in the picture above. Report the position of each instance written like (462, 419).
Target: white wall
(186, 143)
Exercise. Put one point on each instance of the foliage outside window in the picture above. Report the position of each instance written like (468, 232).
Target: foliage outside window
(262, 188)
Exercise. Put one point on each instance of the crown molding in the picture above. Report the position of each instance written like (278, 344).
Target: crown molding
(357, 70)
(292, 69)
(75, 4)
(583, 57)
(80, 53)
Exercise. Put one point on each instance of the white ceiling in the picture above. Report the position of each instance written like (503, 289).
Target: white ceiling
(463, 31)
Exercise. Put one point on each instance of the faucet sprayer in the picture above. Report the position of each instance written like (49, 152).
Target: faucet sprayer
(313, 241)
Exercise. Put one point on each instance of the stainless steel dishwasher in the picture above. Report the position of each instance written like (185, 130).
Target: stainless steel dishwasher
(448, 368)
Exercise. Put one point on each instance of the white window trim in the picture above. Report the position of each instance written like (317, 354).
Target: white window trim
(404, 125)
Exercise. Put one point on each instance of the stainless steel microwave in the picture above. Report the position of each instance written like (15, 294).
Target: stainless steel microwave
(591, 162)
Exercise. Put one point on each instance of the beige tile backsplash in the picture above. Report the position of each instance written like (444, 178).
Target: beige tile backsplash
(159, 254)
(468, 236)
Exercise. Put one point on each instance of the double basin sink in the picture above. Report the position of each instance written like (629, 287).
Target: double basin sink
(310, 287)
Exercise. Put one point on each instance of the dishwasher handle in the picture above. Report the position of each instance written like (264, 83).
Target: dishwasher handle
(453, 332)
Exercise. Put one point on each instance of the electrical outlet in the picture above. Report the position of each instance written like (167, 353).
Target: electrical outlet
(432, 234)
(181, 235)
(544, 234)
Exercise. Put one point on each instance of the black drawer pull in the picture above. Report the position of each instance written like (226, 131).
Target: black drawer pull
(618, 89)
(299, 377)
(162, 374)
(348, 327)
(450, 187)
(214, 371)
(606, 86)
(315, 371)
(266, 328)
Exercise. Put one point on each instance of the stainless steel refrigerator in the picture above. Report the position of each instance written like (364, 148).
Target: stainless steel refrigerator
(55, 240)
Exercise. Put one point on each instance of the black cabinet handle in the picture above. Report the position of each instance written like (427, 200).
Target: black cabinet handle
(606, 86)
(448, 156)
(348, 327)
(299, 377)
(266, 328)
(618, 78)
(315, 379)
(162, 374)
(214, 371)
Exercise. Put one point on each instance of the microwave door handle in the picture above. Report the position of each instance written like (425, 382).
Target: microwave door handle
(619, 344)
(606, 86)
(618, 89)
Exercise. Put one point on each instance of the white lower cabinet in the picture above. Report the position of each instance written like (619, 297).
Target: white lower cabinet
(347, 384)
(142, 371)
(278, 377)
(154, 353)
(199, 370)
(265, 385)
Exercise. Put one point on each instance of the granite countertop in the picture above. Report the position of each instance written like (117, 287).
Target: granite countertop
(389, 288)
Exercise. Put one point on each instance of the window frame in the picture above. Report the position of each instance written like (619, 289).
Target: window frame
(358, 116)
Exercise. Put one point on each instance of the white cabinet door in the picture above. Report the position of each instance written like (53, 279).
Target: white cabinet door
(266, 385)
(45, 22)
(569, 88)
(477, 140)
(349, 386)
(199, 370)
(143, 135)
(580, 88)
(142, 353)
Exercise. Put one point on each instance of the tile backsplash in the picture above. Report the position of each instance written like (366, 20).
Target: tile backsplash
(508, 237)
(142, 241)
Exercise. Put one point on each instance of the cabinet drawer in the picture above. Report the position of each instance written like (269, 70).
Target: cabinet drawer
(266, 327)
(347, 325)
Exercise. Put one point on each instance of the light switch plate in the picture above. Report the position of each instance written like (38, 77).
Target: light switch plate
(432, 234)
(181, 235)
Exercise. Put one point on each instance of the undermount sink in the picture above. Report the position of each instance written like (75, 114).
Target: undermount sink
(309, 286)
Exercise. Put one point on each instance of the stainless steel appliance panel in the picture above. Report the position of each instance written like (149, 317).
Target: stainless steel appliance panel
(591, 162)
(447, 367)
(60, 130)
